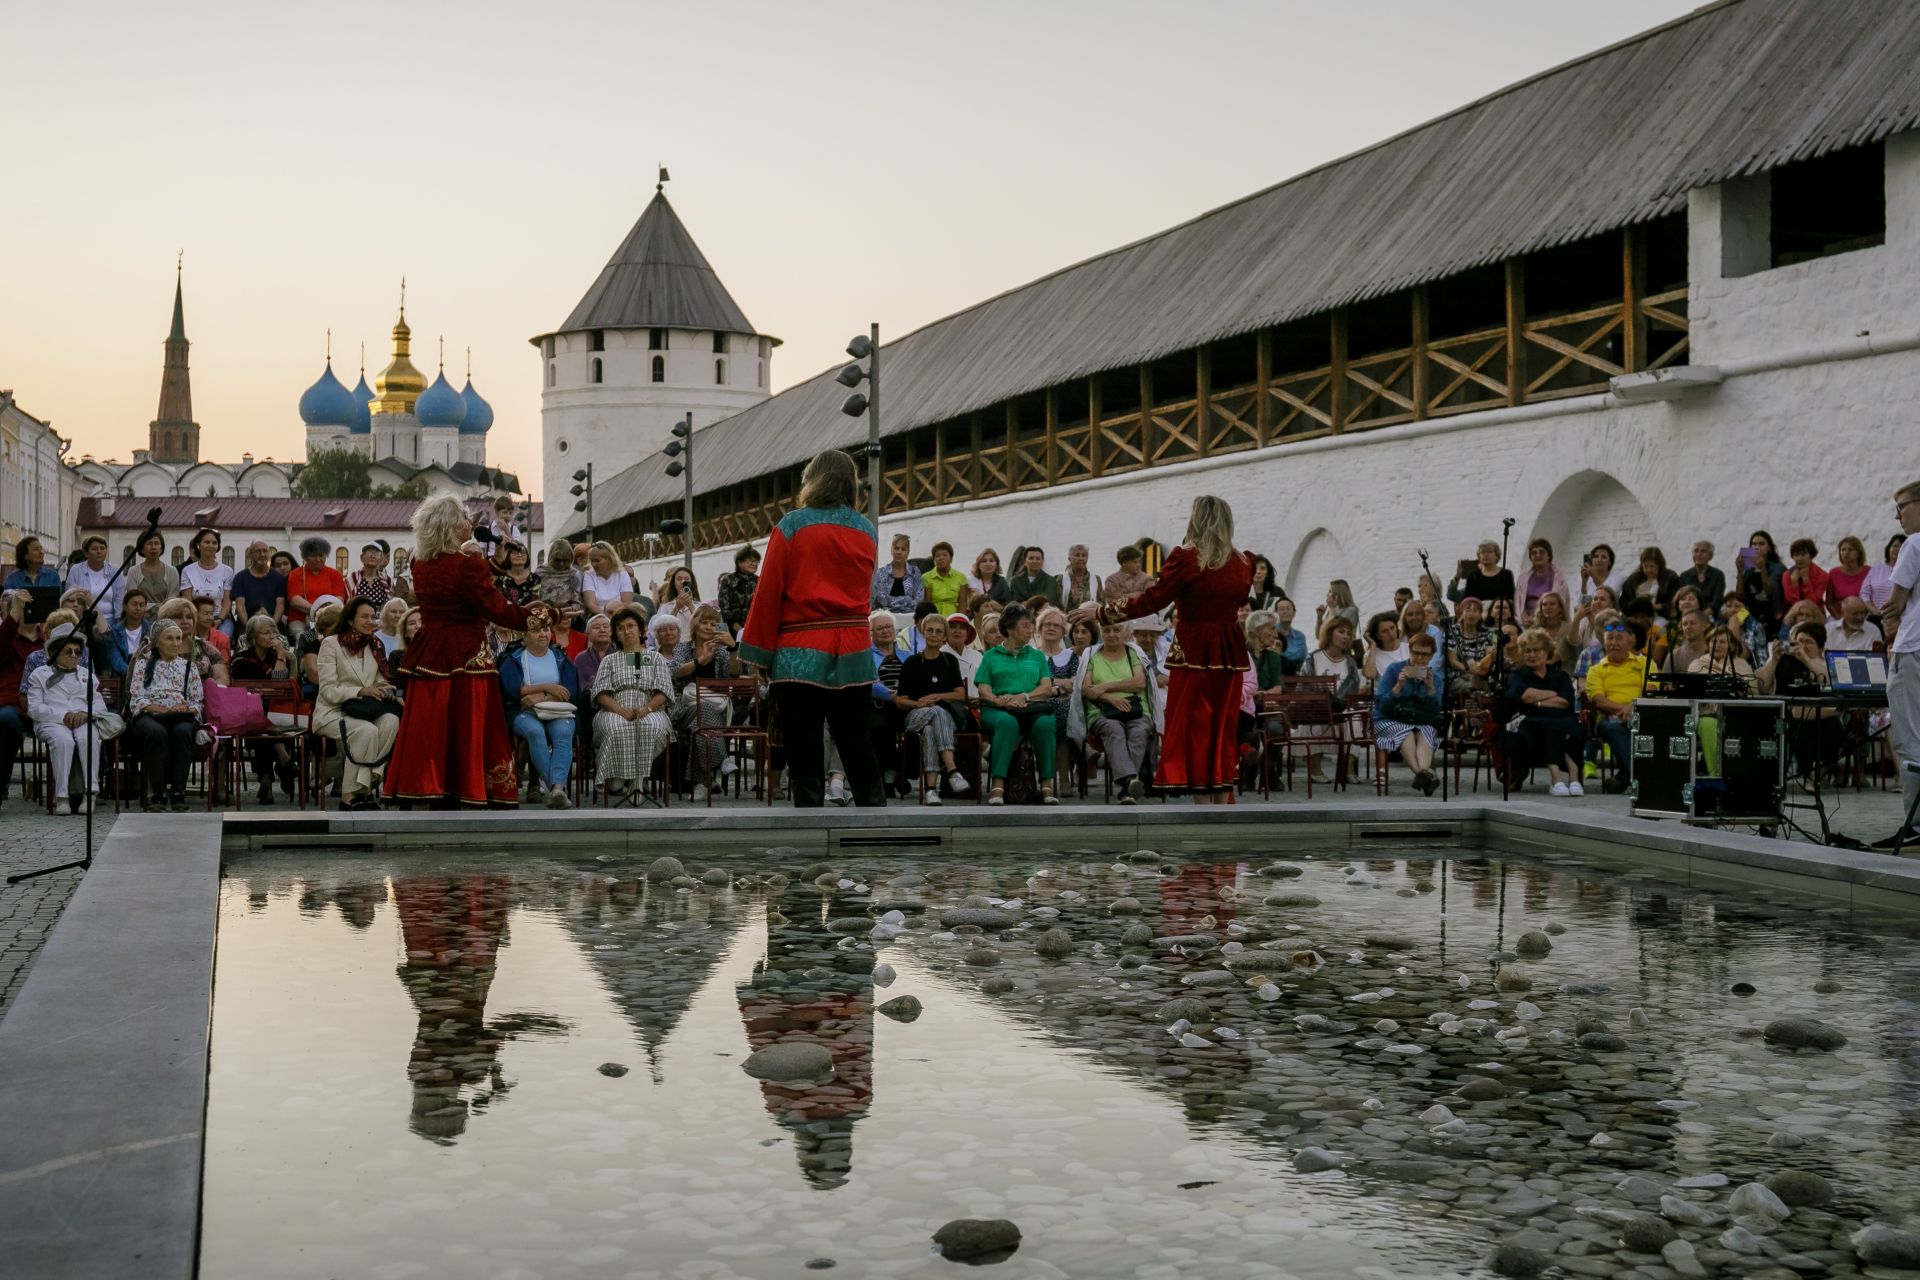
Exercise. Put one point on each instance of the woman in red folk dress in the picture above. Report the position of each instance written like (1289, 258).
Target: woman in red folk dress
(1208, 580)
(453, 746)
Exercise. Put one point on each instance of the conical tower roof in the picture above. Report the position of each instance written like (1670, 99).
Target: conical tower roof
(658, 278)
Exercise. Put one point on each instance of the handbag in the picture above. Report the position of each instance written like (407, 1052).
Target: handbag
(108, 725)
(371, 709)
(553, 709)
(230, 712)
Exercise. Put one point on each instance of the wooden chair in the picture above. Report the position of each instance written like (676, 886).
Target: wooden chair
(1470, 727)
(1292, 720)
(739, 734)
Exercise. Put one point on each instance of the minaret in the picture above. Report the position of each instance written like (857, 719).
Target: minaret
(173, 435)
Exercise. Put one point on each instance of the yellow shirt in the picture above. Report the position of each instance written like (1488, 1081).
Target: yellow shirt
(944, 589)
(1618, 682)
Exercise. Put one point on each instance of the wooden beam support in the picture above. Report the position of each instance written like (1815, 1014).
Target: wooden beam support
(1096, 456)
(1516, 331)
(939, 463)
(1633, 262)
(912, 471)
(974, 470)
(1262, 399)
(1203, 398)
(1053, 428)
(1146, 415)
(1421, 327)
(1011, 416)
(1337, 336)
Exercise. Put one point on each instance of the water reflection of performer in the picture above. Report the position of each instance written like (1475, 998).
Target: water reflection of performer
(453, 928)
(799, 995)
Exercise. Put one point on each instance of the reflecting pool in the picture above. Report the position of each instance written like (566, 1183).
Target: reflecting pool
(1296, 1064)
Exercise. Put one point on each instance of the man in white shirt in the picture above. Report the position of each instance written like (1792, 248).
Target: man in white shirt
(1903, 681)
(92, 573)
(1852, 631)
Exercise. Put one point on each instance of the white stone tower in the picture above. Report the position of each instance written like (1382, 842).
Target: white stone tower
(656, 337)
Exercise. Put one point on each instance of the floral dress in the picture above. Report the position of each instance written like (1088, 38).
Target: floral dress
(624, 750)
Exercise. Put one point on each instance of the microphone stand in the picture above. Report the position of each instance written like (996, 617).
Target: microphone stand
(88, 617)
(1500, 658)
(1426, 571)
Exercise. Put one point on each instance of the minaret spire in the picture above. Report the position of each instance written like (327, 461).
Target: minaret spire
(173, 435)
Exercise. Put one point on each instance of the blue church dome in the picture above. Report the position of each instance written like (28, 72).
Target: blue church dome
(440, 405)
(479, 412)
(326, 403)
(362, 407)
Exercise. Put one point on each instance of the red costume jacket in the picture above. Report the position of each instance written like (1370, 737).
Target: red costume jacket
(808, 622)
(1207, 634)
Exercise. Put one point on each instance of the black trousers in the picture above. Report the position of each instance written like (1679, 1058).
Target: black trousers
(13, 731)
(166, 748)
(804, 710)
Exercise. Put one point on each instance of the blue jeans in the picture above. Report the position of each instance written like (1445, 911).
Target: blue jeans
(549, 747)
(1618, 736)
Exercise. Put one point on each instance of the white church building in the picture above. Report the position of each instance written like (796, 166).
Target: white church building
(1665, 292)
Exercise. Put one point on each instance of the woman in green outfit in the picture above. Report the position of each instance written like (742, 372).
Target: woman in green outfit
(1014, 681)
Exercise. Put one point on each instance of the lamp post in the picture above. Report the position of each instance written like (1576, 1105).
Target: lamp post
(866, 347)
(583, 490)
(680, 449)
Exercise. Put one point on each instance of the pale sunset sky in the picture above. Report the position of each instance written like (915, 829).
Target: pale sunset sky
(838, 164)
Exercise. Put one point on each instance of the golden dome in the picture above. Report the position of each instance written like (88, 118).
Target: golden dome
(399, 384)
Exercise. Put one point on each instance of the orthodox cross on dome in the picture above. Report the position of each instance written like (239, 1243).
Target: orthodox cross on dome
(443, 353)
(469, 364)
(403, 297)
(329, 347)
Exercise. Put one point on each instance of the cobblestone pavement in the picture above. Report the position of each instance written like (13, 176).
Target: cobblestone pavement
(30, 838)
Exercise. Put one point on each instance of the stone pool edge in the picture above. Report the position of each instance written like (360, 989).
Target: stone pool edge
(103, 1054)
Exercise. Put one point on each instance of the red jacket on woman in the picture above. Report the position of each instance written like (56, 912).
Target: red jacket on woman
(808, 623)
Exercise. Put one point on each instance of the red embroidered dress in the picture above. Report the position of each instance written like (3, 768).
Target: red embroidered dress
(453, 742)
(1200, 750)
(808, 623)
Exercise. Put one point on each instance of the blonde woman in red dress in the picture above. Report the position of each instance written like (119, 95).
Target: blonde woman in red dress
(453, 746)
(1206, 579)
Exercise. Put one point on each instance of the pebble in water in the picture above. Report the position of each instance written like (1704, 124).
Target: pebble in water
(715, 876)
(1827, 986)
(1315, 1160)
(966, 1238)
(1512, 1259)
(901, 1008)
(1124, 906)
(998, 985)
(1804, 1033)
(1481, 1089)
(662, 870)
(1646, 1233)
(1282, 871)
(613, 1069)
(1555, 928)
(1797, 1188)
(1293, 900)
(1508, 978)
(1533, 943)
(983, 956)
(789, 1060)
(1391, 942)
(1055, 944)
(1137, 935)
(1754, 1197)
(1879, 1245)
(883, 975)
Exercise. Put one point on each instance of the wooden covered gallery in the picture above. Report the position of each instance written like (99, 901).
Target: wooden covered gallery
(1529, 246)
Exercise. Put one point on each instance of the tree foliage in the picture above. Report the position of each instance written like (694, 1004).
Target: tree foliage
(414, 487)
(334, 473)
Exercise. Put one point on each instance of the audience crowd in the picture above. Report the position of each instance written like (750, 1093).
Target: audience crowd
(976, 663)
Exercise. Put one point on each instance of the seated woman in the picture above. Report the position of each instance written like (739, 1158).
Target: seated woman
(707, 654)
(205, 658)
(1384, 646)
(1335, 659)
(1549, 727)
(1112, 706)
(57, 698)
(356, 702)
(1263, 646)
(1797, 668)
(1469, 650)
(264, 655)
(1551, 616)
(1015, 682)
(535, 679)
(631, 691)
(323, 618)
(1652, 582)
(1724, 653)
(933, 694)
(1586, 628)
(163, 717)
(1062, 662)
(1406, 711)
(393, 615)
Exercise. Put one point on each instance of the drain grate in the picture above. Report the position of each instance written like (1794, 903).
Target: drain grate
(1411, 833)
(914, 839)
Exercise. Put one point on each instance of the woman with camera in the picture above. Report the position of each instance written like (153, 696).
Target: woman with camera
(1406, 710)
(264, 655)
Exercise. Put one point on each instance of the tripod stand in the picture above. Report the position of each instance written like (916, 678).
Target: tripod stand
(88, 617)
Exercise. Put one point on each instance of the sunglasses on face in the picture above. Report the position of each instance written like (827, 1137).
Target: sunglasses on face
(1612, 627)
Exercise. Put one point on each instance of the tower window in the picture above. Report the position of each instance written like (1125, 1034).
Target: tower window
(553, 372)
(659, 368)
(763, 373)
(546, 348)
(719, 373)
(593, 370)
(598, 340)
(656, 341)
(719, 344)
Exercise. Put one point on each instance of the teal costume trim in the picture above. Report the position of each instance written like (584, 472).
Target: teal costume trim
(816, 666)
(807, 517)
